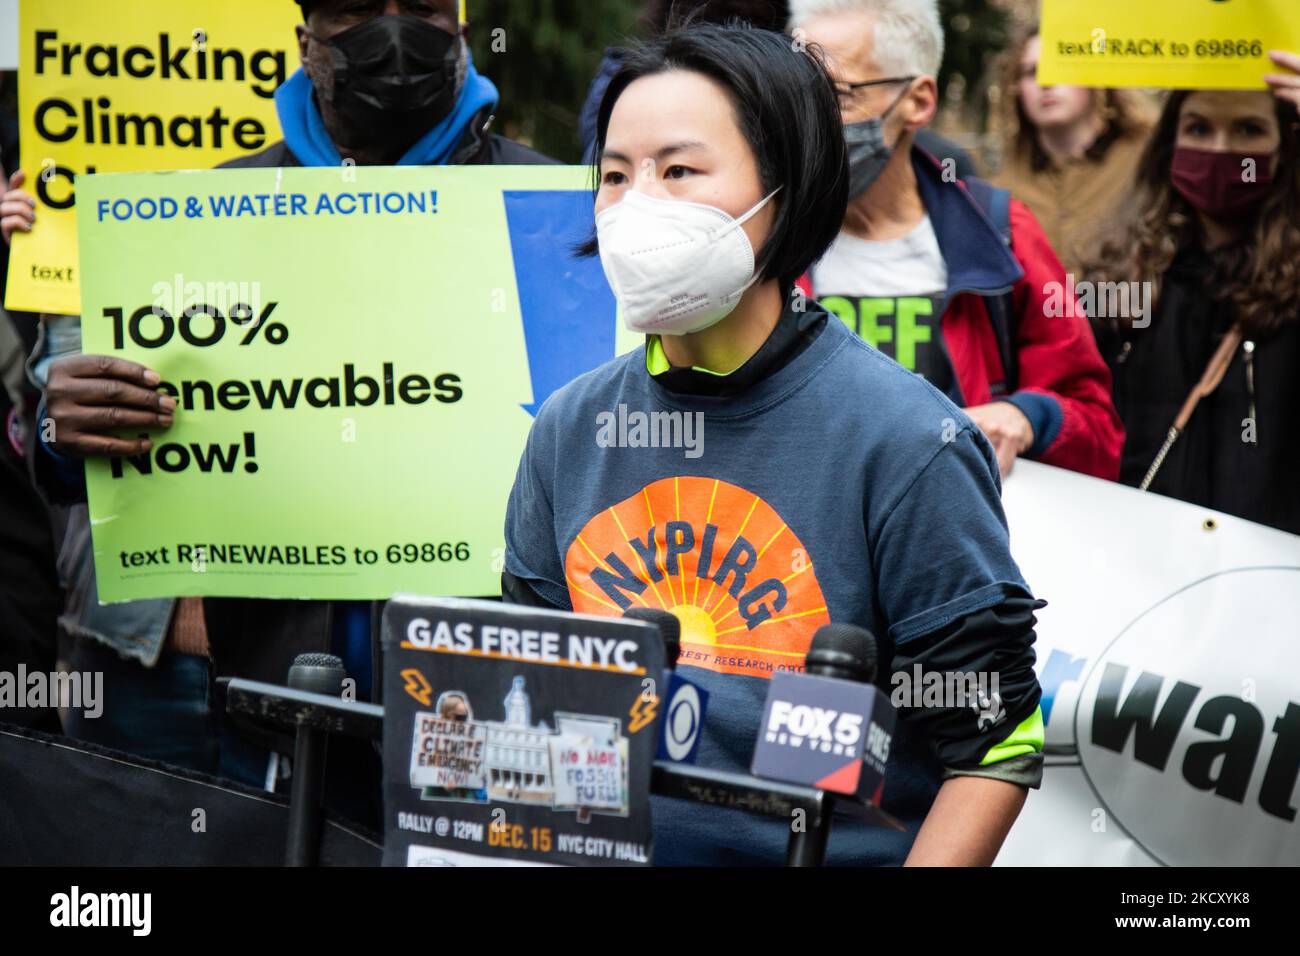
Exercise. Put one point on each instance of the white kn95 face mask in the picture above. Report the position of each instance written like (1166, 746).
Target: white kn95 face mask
(675, 267)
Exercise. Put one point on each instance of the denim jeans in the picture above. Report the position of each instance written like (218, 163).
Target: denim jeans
(162, 713)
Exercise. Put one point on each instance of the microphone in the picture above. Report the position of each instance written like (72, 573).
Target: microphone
(829, 727)
(843, 651)
(316, 674)
(683, 714)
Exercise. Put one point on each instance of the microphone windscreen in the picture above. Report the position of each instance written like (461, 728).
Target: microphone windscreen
(843, 650)
(670, 629)
(318, 674)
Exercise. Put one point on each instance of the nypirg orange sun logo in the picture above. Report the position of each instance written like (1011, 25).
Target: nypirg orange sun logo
(715, 555)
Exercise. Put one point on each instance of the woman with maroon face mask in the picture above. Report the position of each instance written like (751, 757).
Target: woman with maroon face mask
(1208, 380)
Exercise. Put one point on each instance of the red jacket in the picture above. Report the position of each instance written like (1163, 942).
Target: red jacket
(1063, 386)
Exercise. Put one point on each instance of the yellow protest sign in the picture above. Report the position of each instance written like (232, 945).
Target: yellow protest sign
(1175, 44)
(134, 85)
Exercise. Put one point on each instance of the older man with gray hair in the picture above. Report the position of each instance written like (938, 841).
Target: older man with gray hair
(951, 278)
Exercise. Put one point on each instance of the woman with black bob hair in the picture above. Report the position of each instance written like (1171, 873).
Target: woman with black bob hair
(779, 115)
(758, 470)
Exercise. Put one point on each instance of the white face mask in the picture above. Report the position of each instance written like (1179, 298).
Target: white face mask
(675, 267)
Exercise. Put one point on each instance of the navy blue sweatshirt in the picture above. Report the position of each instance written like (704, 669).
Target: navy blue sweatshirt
(837, 487)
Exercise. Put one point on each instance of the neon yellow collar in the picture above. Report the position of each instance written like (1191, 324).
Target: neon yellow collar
(656, 360)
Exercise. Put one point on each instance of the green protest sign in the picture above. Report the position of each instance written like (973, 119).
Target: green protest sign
(355, 353)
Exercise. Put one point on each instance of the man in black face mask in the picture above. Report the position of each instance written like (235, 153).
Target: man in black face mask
(950, 277)
(383, 82)
(387, 82)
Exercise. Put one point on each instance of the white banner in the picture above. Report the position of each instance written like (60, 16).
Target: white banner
(1170, 662)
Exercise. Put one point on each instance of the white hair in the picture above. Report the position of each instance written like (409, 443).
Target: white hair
(909, 36)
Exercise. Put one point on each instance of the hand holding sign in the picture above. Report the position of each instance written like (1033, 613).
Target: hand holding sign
(1285, 86)
(91, 396)
(17, 208)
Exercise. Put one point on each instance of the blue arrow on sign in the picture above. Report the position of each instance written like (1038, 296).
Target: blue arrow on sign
(568, 310)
